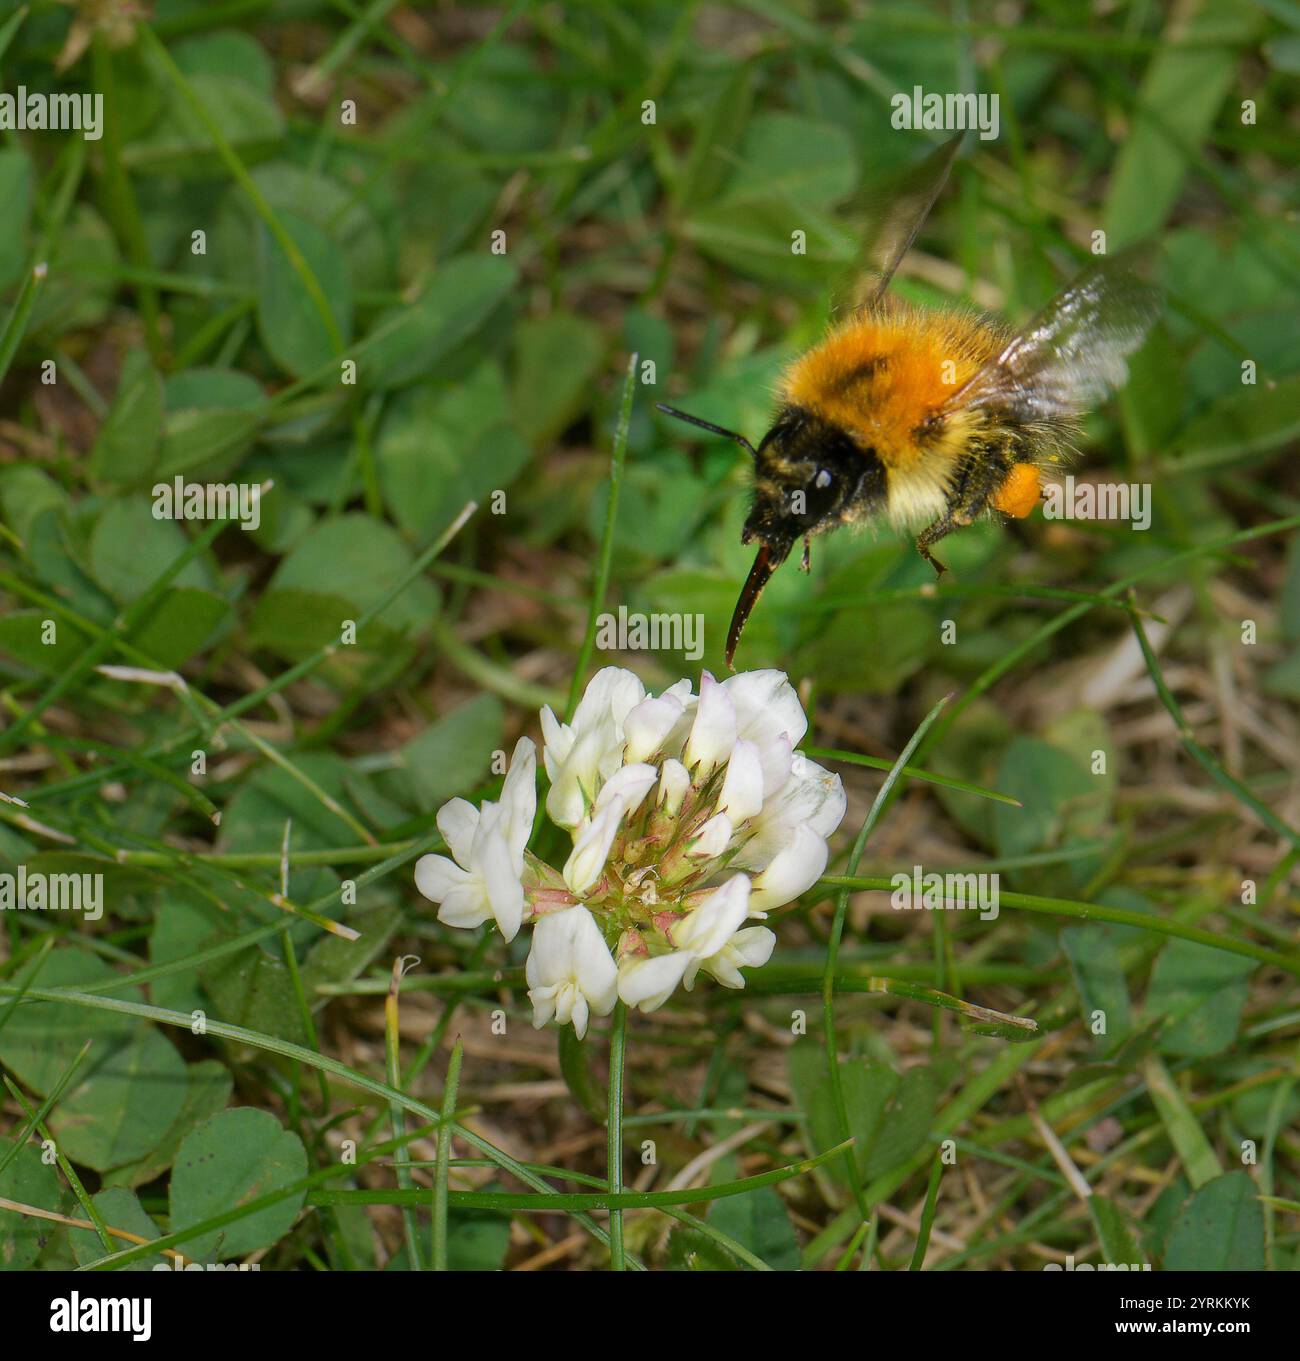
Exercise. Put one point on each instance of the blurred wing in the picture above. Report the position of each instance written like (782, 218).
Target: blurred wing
(1072, 354)
(892, 213)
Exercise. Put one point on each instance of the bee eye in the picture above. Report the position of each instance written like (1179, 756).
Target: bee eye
(823, 479)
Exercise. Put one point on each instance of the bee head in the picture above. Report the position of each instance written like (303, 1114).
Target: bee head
(808, 474)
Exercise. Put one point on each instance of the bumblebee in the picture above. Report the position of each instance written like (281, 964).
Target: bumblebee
(929, 417)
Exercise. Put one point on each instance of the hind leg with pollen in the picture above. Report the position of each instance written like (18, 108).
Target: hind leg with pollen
(976, 488)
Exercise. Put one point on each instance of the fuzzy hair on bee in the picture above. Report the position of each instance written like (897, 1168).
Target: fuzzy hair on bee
(930, 418)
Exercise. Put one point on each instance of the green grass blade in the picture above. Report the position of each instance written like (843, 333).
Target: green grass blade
(443, 1166)
(601, 582)
(854, 758)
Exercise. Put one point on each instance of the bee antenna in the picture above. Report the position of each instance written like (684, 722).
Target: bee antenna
(706, 425)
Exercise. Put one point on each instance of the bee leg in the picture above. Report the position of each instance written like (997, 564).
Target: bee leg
(969, 496)
(806, 564)
(932, 534)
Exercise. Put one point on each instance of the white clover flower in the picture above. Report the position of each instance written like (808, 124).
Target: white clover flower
(657, 720)
(713, 838)
(689, 816)
(591, 847)
(581, 756)
(715, 919)
(674, 784)
(484, 882)
(810, 797)
(570, 972)
(794, 869)
(713, 733)
(621, 795)
(742, 790)
(703, 934)
(648, 982)
(769, 715)
(749, 948)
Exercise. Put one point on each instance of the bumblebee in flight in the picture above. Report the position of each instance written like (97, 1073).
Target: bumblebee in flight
(929, 417)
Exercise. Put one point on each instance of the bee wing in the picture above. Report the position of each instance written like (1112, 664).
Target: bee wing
(1072, 354)
(892, 213)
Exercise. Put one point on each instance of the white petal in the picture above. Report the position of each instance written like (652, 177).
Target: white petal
(811, 797)
(505, 892)
(591, 748)
(717, 918)
(714, 838)
(550, 951)
(519, 799)
(742, 789)
(680, 693)
(565, 996)
(576, 781)
(558, 739)
(794, 869)
(746, 949)
(597, 973)
(674, 781)
(543, 1000)
(611, 694)
(458, 821)
(647, 726)
(777, 760)
(570, 957)
(723, 968)
(466, 906)
(752, 946)
(766, 706)
(649, 982)
(818, 798)
(436, 876)
(629, 786)
(713, 734)
(591, 848)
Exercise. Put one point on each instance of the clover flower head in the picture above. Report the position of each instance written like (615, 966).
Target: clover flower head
(483, 881)
(691, 816)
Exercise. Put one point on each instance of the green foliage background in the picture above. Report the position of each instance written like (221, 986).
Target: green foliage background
(242, 281)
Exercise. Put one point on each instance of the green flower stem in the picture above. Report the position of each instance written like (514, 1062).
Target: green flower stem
(614, 1133)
